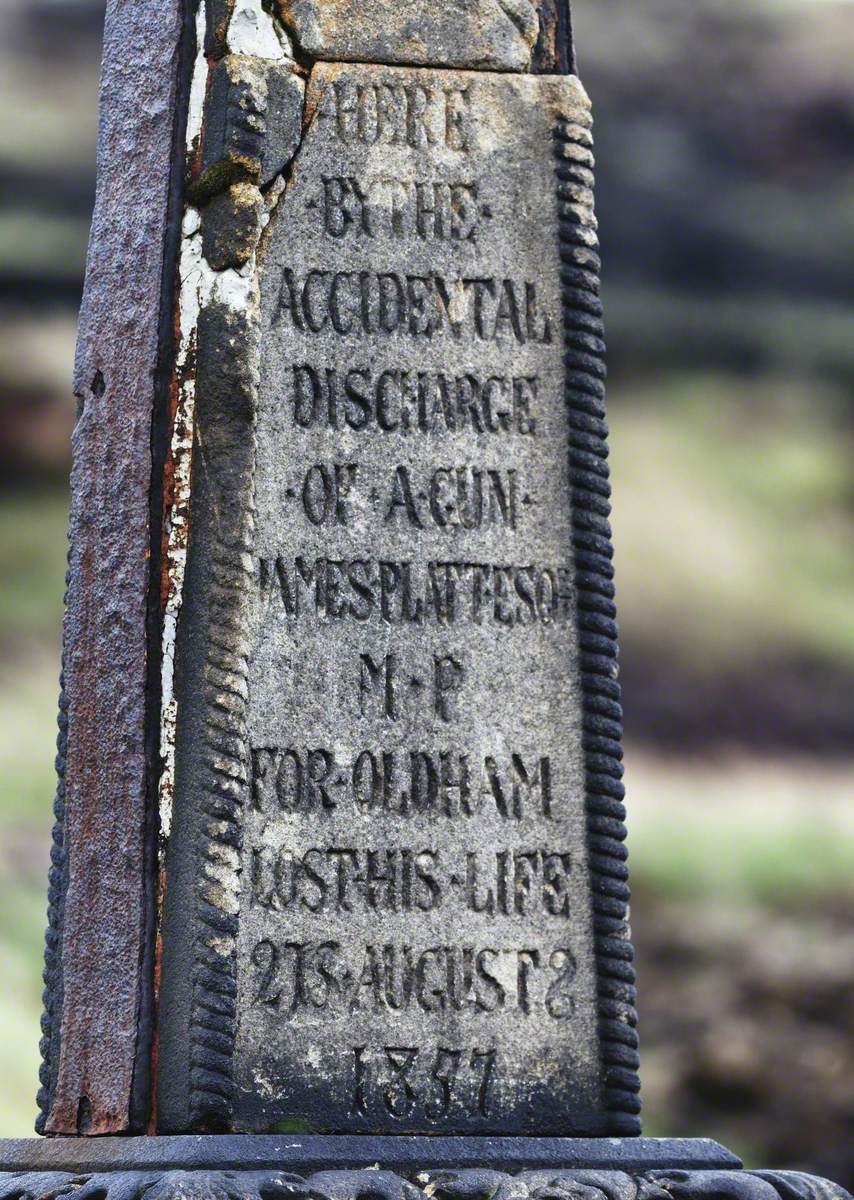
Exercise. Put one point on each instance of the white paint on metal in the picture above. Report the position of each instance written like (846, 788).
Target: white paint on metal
(198, 82)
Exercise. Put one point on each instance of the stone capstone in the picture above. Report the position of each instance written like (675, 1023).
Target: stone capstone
(494, 35)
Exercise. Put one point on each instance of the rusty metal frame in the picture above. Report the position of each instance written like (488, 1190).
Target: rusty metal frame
(554, 53)
(98, 958)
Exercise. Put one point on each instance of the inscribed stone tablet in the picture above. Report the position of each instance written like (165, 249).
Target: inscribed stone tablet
(414, 947)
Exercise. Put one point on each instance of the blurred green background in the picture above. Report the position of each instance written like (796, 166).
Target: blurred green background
(726, 199)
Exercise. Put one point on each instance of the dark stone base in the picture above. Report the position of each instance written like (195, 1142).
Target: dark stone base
(299, 1167)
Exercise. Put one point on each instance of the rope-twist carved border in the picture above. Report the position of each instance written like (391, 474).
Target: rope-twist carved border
(597, 630)
(226, 525)
(214, 1018)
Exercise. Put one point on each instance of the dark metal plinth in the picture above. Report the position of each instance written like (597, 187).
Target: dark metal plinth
(298, 1167)
(306, 1152)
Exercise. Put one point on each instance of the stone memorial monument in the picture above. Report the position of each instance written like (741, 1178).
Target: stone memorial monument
(338, 899)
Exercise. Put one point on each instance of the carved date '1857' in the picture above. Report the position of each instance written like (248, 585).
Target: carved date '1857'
(394, 1077)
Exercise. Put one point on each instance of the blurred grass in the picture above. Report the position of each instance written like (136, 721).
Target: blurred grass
(22, 921)
(38, 244)
(28, 696)
(58, 122)
(33, 550)
(734, 521)
(742, 832)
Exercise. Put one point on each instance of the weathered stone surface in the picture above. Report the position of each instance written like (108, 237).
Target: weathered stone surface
(485, 34)
(382, 731)
(252, 122)
(285, 93)
(230, 226)
(415, 947)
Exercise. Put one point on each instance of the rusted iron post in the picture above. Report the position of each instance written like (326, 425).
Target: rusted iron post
(98, 999)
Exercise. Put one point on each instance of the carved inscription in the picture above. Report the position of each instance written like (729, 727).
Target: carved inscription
(401, 109)
(473, 308)
(415, 928)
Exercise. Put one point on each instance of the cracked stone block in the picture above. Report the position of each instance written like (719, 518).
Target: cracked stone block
(494, 35)
(285, 100)
(253, 121)
(230, 224)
